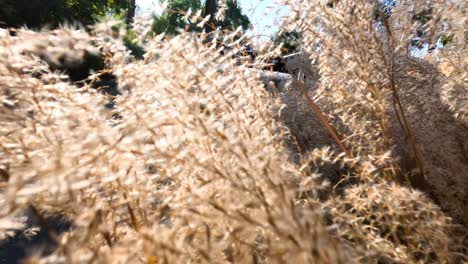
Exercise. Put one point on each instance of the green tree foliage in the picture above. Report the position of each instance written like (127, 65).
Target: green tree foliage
(233, 17)
(174, 18)
(132, 44)
(445, 39)
(291, 41)
(38, 13)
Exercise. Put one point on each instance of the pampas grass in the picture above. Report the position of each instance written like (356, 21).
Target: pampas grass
(190, 162)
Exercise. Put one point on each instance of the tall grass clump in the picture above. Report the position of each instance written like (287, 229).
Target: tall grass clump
(393, 224)
(181, 154)
(357, 85)
(452, 60)
(186, 167)
(387, 108)
(397, 115)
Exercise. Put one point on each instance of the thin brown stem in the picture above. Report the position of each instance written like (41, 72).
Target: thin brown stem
(419, 181)
(323, 120)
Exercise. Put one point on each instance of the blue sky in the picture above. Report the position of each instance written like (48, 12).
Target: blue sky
(265, 15)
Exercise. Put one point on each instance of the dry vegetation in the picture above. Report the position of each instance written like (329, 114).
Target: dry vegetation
(196, 162)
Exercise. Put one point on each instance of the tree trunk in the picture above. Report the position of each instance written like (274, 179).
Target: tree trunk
(210, 10)
(130, 12)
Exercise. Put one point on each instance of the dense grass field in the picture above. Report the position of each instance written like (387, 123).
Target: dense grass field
(194, 153)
